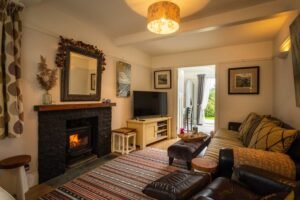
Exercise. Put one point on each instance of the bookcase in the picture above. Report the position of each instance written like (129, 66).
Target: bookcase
(150, 130)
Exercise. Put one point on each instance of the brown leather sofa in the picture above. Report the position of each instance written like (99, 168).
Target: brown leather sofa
(250, 184)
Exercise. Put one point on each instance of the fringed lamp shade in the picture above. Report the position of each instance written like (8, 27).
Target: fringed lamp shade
(163, 17)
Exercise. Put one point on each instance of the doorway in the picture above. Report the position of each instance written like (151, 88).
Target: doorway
(196, 98)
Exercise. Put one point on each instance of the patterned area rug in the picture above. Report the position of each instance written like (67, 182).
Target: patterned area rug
(122, 178)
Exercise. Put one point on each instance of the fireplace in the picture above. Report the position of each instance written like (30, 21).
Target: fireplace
(69, 133)
(79, 140)
(81, 137)
(79, 143)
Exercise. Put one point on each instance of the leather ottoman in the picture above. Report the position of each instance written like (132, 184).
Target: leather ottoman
(178, 185)
(187, 150)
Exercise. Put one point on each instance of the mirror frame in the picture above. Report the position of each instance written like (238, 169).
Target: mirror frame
(66, 46)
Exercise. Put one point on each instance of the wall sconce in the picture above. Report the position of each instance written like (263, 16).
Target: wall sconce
(284, 48)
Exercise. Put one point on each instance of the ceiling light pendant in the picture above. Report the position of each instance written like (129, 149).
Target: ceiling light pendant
(163, 17)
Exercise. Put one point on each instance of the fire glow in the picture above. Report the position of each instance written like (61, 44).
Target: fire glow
(75, 141)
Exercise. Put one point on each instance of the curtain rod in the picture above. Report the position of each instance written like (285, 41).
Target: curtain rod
(56, 36)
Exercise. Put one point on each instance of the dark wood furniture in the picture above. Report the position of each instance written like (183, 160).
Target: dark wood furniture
(53, 107)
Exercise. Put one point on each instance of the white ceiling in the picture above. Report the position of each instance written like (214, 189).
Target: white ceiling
(220, 23)
(193, 71)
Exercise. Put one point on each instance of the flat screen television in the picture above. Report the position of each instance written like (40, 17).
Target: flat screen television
(149, 103)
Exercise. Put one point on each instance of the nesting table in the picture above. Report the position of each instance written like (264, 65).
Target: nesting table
(204, 165)
(121, 139)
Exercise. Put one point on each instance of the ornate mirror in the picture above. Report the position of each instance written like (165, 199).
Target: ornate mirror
(82, 67)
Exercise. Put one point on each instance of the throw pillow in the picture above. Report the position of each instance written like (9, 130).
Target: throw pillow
(269, 136)
(247, 123)
(246, 137)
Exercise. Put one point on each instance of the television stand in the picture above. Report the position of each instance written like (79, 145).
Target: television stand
(150, 130)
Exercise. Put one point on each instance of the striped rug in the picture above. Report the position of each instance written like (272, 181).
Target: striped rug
(122, 178)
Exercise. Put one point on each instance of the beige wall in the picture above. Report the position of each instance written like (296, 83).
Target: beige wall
(42, 25)
(237, 107)
(256, 54)
(284, 90)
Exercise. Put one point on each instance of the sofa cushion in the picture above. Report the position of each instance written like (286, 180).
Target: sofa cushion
(247, 123)
(278, 163)
(177, 185)
(246, 138)
(223, 133)
(268, 136)
(213, 149)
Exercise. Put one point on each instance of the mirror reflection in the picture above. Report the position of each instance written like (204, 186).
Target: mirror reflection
(82, 74)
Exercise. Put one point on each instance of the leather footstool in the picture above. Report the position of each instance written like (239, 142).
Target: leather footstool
(187, 150)
(178, 185)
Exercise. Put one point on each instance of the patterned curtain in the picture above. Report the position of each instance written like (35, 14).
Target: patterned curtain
(11, 105)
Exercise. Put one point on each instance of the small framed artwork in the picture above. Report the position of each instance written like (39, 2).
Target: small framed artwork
(244, 80)
(163, 79)
(123, 79)
(295, 50)
(93, 81)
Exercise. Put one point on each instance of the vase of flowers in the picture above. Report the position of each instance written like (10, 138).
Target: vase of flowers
(47, 79)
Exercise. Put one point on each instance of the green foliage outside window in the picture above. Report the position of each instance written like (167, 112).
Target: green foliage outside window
(210, 109)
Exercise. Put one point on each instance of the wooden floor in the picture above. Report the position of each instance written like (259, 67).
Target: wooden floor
(35, 192)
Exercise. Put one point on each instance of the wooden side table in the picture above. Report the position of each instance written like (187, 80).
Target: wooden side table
(204, 165)
(14, 176)
(121, 138)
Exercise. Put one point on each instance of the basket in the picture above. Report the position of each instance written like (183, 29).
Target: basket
(192, 137)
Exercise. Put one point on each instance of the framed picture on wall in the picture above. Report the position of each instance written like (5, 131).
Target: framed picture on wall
(123, 79)
(162, 79)
(295, 50)
(243, 80)
(93, 81)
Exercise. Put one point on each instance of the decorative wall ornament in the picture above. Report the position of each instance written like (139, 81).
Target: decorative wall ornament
(82, 66)
(163, 79)
(123, 79)
(295, 39)
(243, 80)
(47, 79)
(64, 43)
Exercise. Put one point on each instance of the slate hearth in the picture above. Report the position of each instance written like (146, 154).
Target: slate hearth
(53, 136)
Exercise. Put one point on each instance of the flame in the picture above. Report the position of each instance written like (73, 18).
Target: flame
(74, 141)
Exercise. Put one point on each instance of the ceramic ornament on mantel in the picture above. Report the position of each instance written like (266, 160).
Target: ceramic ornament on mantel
(47, 79)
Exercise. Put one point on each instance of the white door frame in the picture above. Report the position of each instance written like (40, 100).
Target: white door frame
(176, 69)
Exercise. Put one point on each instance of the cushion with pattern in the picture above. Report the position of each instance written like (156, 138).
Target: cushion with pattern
(269, 136)
(246, 125)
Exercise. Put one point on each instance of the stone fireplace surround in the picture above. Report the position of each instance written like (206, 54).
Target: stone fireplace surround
(52, 127)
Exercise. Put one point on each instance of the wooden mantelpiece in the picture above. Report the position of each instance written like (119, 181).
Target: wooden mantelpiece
(55, 107)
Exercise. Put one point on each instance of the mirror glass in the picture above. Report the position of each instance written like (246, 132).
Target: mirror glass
(82, 74)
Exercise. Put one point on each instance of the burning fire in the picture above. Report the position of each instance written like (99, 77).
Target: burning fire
(74, 141)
